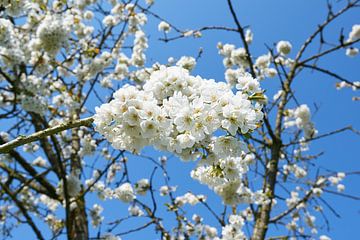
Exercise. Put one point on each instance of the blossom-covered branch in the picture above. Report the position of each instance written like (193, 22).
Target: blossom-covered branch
(21, 140)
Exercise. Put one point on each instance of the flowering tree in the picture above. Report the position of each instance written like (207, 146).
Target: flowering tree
(59, 151)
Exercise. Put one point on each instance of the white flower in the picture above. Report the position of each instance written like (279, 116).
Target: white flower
(109, 21)
(110, 236)
(54, 223)
(211, 232)
(232, 75)
(271, 72)
(302, 120)
(73, 184)
(52, 33)
(278, 95)
(340, 187)
(165, 190)
(40, 162)
(352, 51)
(324, 237)
(283, 47)
(247, 83)
(317, 191)
(188, 198)
(355, 33)
(142, 186)
(88, 15)
(36, 104)
(50, 203)
(135, 211)
(149, 128)
(249, 36)
(125, 193)
(184, 121)
(164, 27)
(341, 175)
(186, 140)
(186, 62)
(263, 61)
(95, 212)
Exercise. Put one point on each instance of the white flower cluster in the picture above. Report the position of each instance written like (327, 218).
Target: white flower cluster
(124, 193)
(73, 185)
(293, 200)
(14, 8)
(11, 51)
(31, 147)
(335, 180)
(142, 186)
(233, 230)
(39, 162)
(52, 34)
(88, 144)
(295, 169)
(237, 57)
(95, 214)
(176, 112)
(179, 113)
(103, 192)
(189, 198)
(186, 62)
(110, 236)
(140, 45)
(51, 204)
(165, 190)
(135, 211)
(55, 224)
(36, 104)
(115, 167)
(300, 117)
(6, 32)
(355, 86)
(223, 170)
(233, 56)
(354, 35)
(196, 230)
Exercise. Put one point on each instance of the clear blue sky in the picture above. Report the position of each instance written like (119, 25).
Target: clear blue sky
(270, 22)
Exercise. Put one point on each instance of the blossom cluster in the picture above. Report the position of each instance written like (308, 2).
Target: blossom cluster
(236, 61)
(180, 113)
(301, 118)
(354, 35)
(176, 112)
(233, 229)
(223, 170)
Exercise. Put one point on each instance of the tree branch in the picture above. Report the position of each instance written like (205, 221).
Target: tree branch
(21, 140)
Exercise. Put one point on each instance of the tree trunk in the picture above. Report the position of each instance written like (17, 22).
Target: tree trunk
(263, 215)
(77, 216)
(78, 222)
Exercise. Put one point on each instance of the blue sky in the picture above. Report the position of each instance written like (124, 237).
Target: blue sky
(270, 22)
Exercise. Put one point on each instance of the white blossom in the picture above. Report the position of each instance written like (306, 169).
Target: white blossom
(125, 193)
(164, 27)
(354, 35)
(283, 47)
